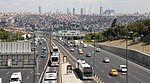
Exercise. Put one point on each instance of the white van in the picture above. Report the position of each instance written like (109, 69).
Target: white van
(122, 68)
(16, 77)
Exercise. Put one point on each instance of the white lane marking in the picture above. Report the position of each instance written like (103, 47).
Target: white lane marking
(28, 77)
(121, 76)
(96, 66)
(7, 73)
(136, 77)
(31, 71)
(106, 66)
(102, 71)
(108, 76)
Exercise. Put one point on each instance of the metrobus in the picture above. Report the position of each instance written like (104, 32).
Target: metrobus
(54, 59)
(85, 70)
(54, 49)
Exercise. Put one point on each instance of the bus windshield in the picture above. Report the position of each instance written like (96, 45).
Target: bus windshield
(55, 50)
(87, 72)
(55, 59)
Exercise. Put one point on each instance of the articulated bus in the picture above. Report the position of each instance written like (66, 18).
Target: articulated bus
(86, 71)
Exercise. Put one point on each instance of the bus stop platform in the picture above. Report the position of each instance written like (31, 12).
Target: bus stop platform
(68, 76)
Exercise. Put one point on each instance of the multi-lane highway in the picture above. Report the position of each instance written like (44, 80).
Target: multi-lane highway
(71, 59)
(136, 73)
(27, 74)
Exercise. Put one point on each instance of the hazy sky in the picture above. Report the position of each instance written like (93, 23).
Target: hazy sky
(120, 6)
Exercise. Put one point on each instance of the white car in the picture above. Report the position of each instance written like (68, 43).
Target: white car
(97, 49)
(106, 60)
(71, 49)
(44, 48)
(51, 75)
(16, 77)
(122, 68)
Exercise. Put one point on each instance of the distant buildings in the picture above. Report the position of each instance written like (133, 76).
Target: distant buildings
(40, 11)
(81, 11)
(101, 11)
(73, 11)
(109, 12)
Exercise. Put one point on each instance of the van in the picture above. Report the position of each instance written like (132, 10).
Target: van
(122, 68)
(16, 77)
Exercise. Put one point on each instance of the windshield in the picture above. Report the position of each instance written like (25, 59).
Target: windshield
(54, 58)
(14, 79)
(87, 72)
(55, 50)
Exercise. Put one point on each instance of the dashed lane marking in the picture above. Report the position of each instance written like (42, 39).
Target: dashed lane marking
(102, 71)
(109, 76)
(28, 77)
(31, 71)
(7, 73)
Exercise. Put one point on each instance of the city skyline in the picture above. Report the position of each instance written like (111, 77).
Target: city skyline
(120, 6)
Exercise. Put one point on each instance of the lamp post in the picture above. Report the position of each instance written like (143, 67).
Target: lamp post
(130, 32)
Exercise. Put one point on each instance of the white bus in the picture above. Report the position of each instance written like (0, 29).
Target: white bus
(85, 70)
(54, 60)
(54, 49)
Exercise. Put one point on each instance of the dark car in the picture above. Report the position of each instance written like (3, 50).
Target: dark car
(88, 55)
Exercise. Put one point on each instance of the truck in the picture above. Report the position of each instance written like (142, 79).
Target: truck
(76, 43)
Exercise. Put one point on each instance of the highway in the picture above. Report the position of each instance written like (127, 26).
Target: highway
(27, 74)
(53, 69)
(71, 60)
(137, 74)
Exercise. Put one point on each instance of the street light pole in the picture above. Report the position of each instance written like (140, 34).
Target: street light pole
(130, 32)
(127, 57)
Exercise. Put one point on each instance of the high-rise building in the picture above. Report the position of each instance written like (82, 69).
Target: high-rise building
(101, 11)
(81, 12)
(85, 10)
(90, 10)
(73, 11)
(40, 11)
(68, 11)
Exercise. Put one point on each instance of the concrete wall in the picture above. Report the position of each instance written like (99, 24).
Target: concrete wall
(135, 56)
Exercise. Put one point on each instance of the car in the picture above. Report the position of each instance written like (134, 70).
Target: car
(97, 49)
(16, 77)
(85, 45)
(80, 51)
(71, 49)
(106, 60)
(113, 72)
(51, 75)
(43, 48)
(88, 55)
(43, 55)
(122, 68)
(33, 48)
